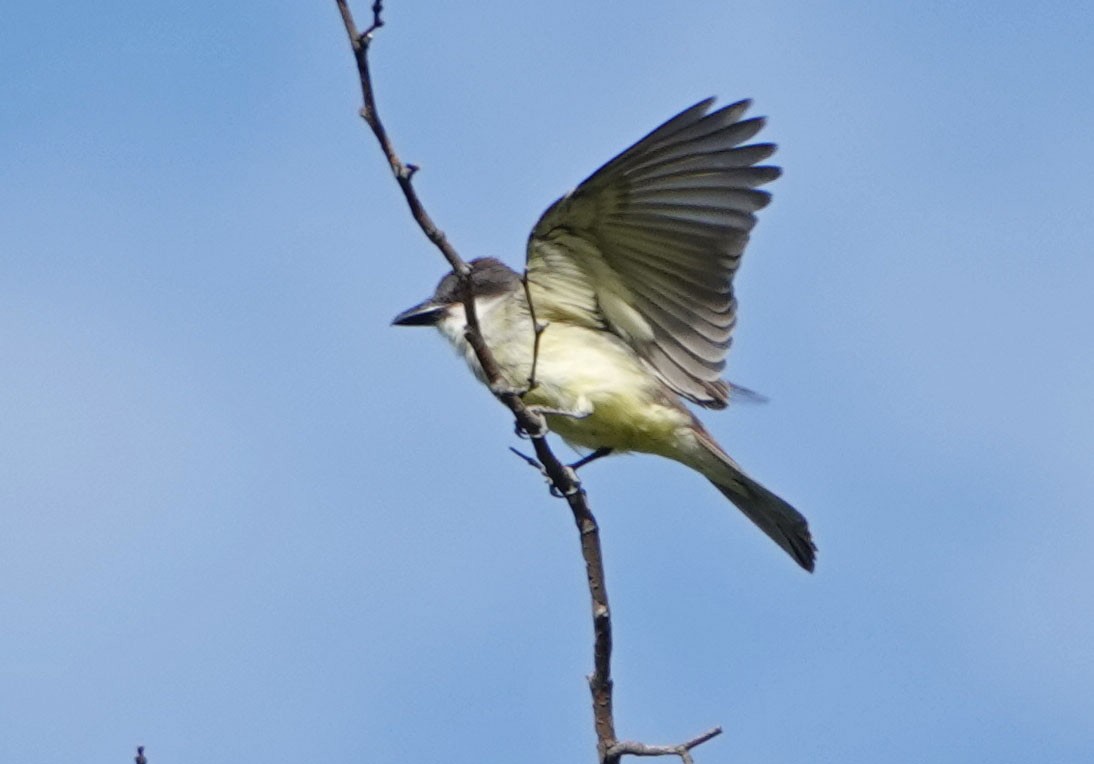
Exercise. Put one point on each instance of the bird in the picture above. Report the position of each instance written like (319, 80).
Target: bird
(626, 307)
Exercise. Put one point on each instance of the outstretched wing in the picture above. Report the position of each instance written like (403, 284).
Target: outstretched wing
(646, 246)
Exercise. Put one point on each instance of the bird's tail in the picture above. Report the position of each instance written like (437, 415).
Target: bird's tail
(786, 526)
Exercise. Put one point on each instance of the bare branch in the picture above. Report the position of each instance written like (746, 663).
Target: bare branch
(683, 750)
(532, 423)
(563, 480)
(402, 172)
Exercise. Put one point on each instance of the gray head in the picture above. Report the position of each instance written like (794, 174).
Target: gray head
(489, 278)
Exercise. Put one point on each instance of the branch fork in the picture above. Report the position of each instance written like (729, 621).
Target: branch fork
(683, 750)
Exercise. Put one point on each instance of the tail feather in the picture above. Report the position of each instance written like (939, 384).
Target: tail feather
(786, 526)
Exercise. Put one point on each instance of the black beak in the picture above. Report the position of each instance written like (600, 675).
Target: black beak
(427, 313)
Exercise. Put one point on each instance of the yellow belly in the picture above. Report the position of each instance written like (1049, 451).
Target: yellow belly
(614, 424)
(616, 402)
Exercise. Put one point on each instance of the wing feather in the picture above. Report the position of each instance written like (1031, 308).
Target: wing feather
(648, 245)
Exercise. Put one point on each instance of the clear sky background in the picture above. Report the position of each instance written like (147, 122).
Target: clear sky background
(244, 520)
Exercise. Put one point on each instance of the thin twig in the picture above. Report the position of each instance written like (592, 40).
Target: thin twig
(377, 22)
(404, 173)
(537, 330)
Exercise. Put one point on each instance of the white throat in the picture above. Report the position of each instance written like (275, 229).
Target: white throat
(497, 322)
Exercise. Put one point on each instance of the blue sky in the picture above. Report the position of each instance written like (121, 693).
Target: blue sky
(242, 519)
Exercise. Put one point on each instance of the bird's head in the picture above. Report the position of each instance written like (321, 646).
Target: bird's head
(490, 278)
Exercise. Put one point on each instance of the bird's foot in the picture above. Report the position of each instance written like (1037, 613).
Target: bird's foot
(551, 486)
(502, 389)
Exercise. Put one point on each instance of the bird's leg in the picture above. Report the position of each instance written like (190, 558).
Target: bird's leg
(602, 451)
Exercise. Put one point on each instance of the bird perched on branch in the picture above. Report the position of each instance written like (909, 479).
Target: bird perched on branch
(626, 306)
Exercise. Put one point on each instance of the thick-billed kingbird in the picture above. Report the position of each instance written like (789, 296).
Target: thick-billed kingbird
(631, 274)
